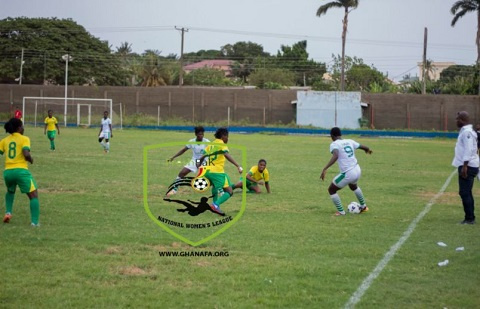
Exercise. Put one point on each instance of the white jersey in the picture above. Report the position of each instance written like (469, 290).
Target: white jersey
(346, 153)
(197, 149)
(106, 125)
(466, 147)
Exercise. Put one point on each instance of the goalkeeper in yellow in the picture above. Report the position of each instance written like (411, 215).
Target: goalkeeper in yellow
(51, 129)
(215, 155)
(257, 175)
(16, 148)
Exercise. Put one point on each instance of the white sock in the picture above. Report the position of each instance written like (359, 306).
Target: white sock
(337, 202)
(359, 194)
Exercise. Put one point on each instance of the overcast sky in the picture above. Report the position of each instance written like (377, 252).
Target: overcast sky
(385, 33)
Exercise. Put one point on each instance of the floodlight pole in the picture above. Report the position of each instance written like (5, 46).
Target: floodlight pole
(66, 58)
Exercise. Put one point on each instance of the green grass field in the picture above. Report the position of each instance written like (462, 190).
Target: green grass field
(97, 247)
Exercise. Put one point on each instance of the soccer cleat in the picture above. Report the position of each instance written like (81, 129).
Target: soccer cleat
(363, 208)
(338, 213)
(34, 225)
(172, 192)
(463, 222)
(7, 218)
(216, 209)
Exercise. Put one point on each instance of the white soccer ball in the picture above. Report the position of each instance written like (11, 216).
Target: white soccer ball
(354, 208)
(200, 184)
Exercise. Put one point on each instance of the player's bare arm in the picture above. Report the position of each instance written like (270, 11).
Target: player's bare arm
(332, 161)
(28, 157)
(366, 149)
(249, 177)
(231, 160)
(179, 153)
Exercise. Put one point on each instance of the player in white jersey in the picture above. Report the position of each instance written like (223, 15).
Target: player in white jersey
(197, 152)
(343, 152)
(106, 132)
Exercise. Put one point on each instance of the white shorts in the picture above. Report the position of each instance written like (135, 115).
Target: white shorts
(350, 177)
(192, 166)
(105, 135)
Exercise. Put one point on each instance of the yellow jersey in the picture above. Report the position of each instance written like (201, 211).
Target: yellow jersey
(12, 147)
(255, 174)
(215, 159)
(51, 122)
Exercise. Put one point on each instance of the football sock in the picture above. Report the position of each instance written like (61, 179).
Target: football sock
(34, 210)
(359, 195)
(222, 199)
(52, 145)
(9, 201)
(107, 147)
(337, 202)
(176, 179)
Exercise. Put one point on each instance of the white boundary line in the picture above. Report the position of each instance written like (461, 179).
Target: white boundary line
(357, 296)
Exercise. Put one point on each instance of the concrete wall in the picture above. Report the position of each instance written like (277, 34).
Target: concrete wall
(203, 104)
(261, 107)
(418, 112)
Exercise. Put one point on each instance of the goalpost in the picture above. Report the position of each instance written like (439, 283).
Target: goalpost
(78, 111)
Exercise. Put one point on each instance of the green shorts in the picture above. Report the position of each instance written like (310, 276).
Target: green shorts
(218, 180)
(51, 134)
(248, 183)
(21, 177)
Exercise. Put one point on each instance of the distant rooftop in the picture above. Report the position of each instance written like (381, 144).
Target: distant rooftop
(219, 64)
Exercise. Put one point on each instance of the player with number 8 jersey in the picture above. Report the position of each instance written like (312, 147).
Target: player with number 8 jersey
(16, 148)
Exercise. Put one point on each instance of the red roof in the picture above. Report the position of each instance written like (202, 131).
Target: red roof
(209, 64)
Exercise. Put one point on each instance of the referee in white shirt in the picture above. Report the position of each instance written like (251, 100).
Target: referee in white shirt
(467, 161)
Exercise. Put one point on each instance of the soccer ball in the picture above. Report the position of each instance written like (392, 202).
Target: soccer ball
(354, 208)
(200, 184)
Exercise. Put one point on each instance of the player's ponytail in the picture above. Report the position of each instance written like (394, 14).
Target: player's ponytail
(12, 125)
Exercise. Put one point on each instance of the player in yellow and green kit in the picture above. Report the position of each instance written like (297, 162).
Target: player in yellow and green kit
(215, 155)
(16, 148)
(51, 129)
(258, 175)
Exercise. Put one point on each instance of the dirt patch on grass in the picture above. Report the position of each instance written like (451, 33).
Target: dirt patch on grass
(132, 271)
(445, 198)
(60, 191)
(113, 250)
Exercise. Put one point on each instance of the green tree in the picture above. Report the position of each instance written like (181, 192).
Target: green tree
(429, 69)
(348, 6)
(336, 67)
(272, 78)
(157, 70)
(202, 55)
(361, 76)
(244, 55)
(128, 63)
(295, 59)
(460, 85)
(460, 9)
(44, 41)
(453, 71)
(206, 77)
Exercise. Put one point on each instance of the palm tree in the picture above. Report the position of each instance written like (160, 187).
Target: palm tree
(459, 9)
(348, 5)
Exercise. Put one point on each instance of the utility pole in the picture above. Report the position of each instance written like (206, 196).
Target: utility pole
(21, 70)
(180, 76)
(424, 67)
